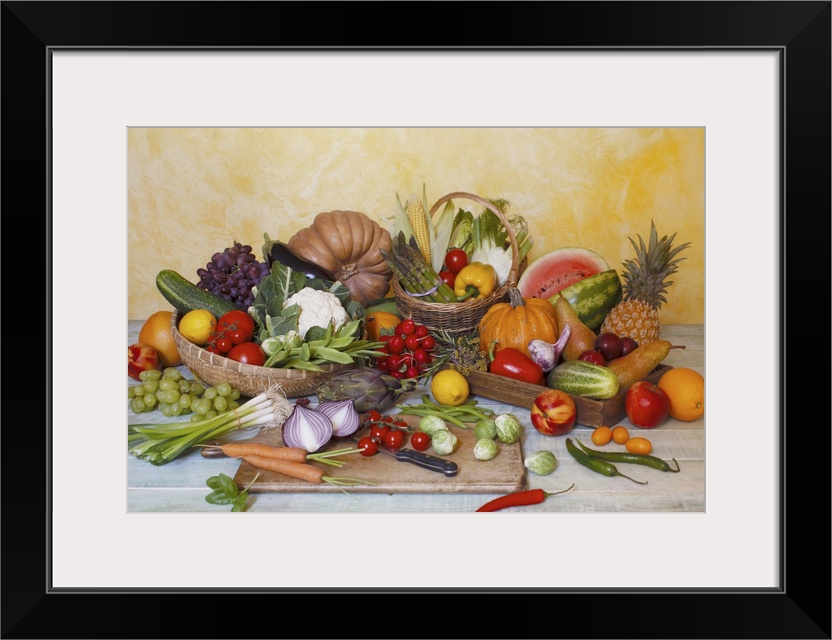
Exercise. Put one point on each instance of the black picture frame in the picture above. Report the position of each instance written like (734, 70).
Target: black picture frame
(799, 31)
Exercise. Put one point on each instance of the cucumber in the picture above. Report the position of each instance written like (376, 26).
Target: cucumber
(594, 297)
(186, 296)
(584, 379)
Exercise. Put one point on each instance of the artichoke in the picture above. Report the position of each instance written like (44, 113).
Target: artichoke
(369, 388)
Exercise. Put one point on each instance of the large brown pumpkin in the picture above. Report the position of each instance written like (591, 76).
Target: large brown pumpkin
(517, 322)
(347, 243)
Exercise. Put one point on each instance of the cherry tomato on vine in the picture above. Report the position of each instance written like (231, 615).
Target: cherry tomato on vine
(372, 416)
(394, 439)
(238, 336)
(455, 260)
(379, 431)
(401, 424)
(223, 344)
(420, 441)
(369, 446)
(236, 319)
(448, 277)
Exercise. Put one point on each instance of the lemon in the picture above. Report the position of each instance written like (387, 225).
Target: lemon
(197, 326)
(449, 387)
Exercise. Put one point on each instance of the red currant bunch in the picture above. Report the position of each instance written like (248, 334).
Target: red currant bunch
(408, 351)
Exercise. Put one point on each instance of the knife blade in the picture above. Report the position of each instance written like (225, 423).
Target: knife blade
(420, 459)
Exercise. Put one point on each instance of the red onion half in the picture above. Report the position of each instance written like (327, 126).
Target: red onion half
(307, 429)
(342, 413)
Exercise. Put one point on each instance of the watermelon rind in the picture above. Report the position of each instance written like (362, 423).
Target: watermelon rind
(593, 297)
(558, 269)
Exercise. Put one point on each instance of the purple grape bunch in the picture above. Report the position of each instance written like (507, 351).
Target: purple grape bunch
(232, 273)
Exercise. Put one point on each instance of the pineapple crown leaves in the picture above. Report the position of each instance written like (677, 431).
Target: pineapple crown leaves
(645, 277)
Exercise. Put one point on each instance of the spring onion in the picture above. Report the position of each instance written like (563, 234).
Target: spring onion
(161, 443)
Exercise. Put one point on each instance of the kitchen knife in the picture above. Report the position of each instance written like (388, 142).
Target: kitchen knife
(424, 460)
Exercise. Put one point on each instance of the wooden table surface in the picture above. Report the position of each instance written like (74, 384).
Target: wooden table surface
(179, 486)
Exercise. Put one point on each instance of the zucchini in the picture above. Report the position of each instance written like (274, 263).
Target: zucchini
(584, 379)
(186, 296)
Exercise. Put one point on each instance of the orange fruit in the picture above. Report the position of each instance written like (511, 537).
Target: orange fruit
(620, 435)
(156, 333)
(686, 390)
(639, 445)
(601, 436)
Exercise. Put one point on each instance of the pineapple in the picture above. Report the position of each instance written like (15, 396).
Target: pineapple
(645, 283)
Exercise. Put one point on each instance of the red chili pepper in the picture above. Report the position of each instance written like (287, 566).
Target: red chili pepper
(519, 498)
(511, 363)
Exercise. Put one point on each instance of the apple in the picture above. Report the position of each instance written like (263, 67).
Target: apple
(553, 413)
(141, 357)
(594, 356)
(646, 405)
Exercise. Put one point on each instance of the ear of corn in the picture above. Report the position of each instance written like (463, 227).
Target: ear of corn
(422, 225)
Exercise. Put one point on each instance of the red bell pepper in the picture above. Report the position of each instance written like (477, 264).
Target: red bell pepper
(511, 363)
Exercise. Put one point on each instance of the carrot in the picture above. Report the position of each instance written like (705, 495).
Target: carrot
(242, 449)
(299, 470)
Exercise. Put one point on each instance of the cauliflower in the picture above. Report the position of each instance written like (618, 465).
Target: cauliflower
(317, 309)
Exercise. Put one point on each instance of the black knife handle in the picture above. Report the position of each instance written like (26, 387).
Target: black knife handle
(448, 467)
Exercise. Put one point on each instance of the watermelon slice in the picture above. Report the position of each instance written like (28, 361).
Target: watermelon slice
(558, 269)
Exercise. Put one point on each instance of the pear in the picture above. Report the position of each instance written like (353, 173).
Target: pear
(638, 364)
(581, 338)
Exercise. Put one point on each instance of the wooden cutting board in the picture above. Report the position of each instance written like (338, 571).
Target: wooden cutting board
(503, 474)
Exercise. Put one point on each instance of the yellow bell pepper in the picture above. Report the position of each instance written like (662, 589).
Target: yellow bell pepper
(475, 278)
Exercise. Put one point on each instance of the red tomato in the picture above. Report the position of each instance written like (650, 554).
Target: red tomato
(394, 439)
(448, 277)
(455, 260)
(372, 416)
(370, 448)
(646, 404)
(238, 336)
(236, 319)
(379, 431)
(248, 353)
(420, 441)
(224, 345)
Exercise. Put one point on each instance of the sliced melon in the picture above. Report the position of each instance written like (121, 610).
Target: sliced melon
(558, 269)
(593, 297)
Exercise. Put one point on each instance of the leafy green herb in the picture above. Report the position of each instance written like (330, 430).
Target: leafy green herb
(225, 492)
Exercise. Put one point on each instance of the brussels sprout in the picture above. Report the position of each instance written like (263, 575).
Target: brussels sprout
(443, 442)
(485, 429)
(541, 463)
(508, 428)
(431, 424)
(485, 449)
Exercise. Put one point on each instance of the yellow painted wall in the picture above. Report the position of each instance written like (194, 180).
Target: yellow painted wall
(194, 191)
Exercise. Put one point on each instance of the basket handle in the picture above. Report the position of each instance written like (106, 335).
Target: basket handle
(512, 274)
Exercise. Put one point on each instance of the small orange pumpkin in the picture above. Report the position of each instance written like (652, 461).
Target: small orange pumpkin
(380, 322)
(517, 322)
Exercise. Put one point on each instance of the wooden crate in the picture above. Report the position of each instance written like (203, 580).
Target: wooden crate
(590, 413)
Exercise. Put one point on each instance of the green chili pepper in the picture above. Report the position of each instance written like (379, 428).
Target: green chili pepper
(633, 458)
(599, 466)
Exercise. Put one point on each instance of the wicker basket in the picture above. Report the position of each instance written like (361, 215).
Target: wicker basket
(250, 380)
(459, 317)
